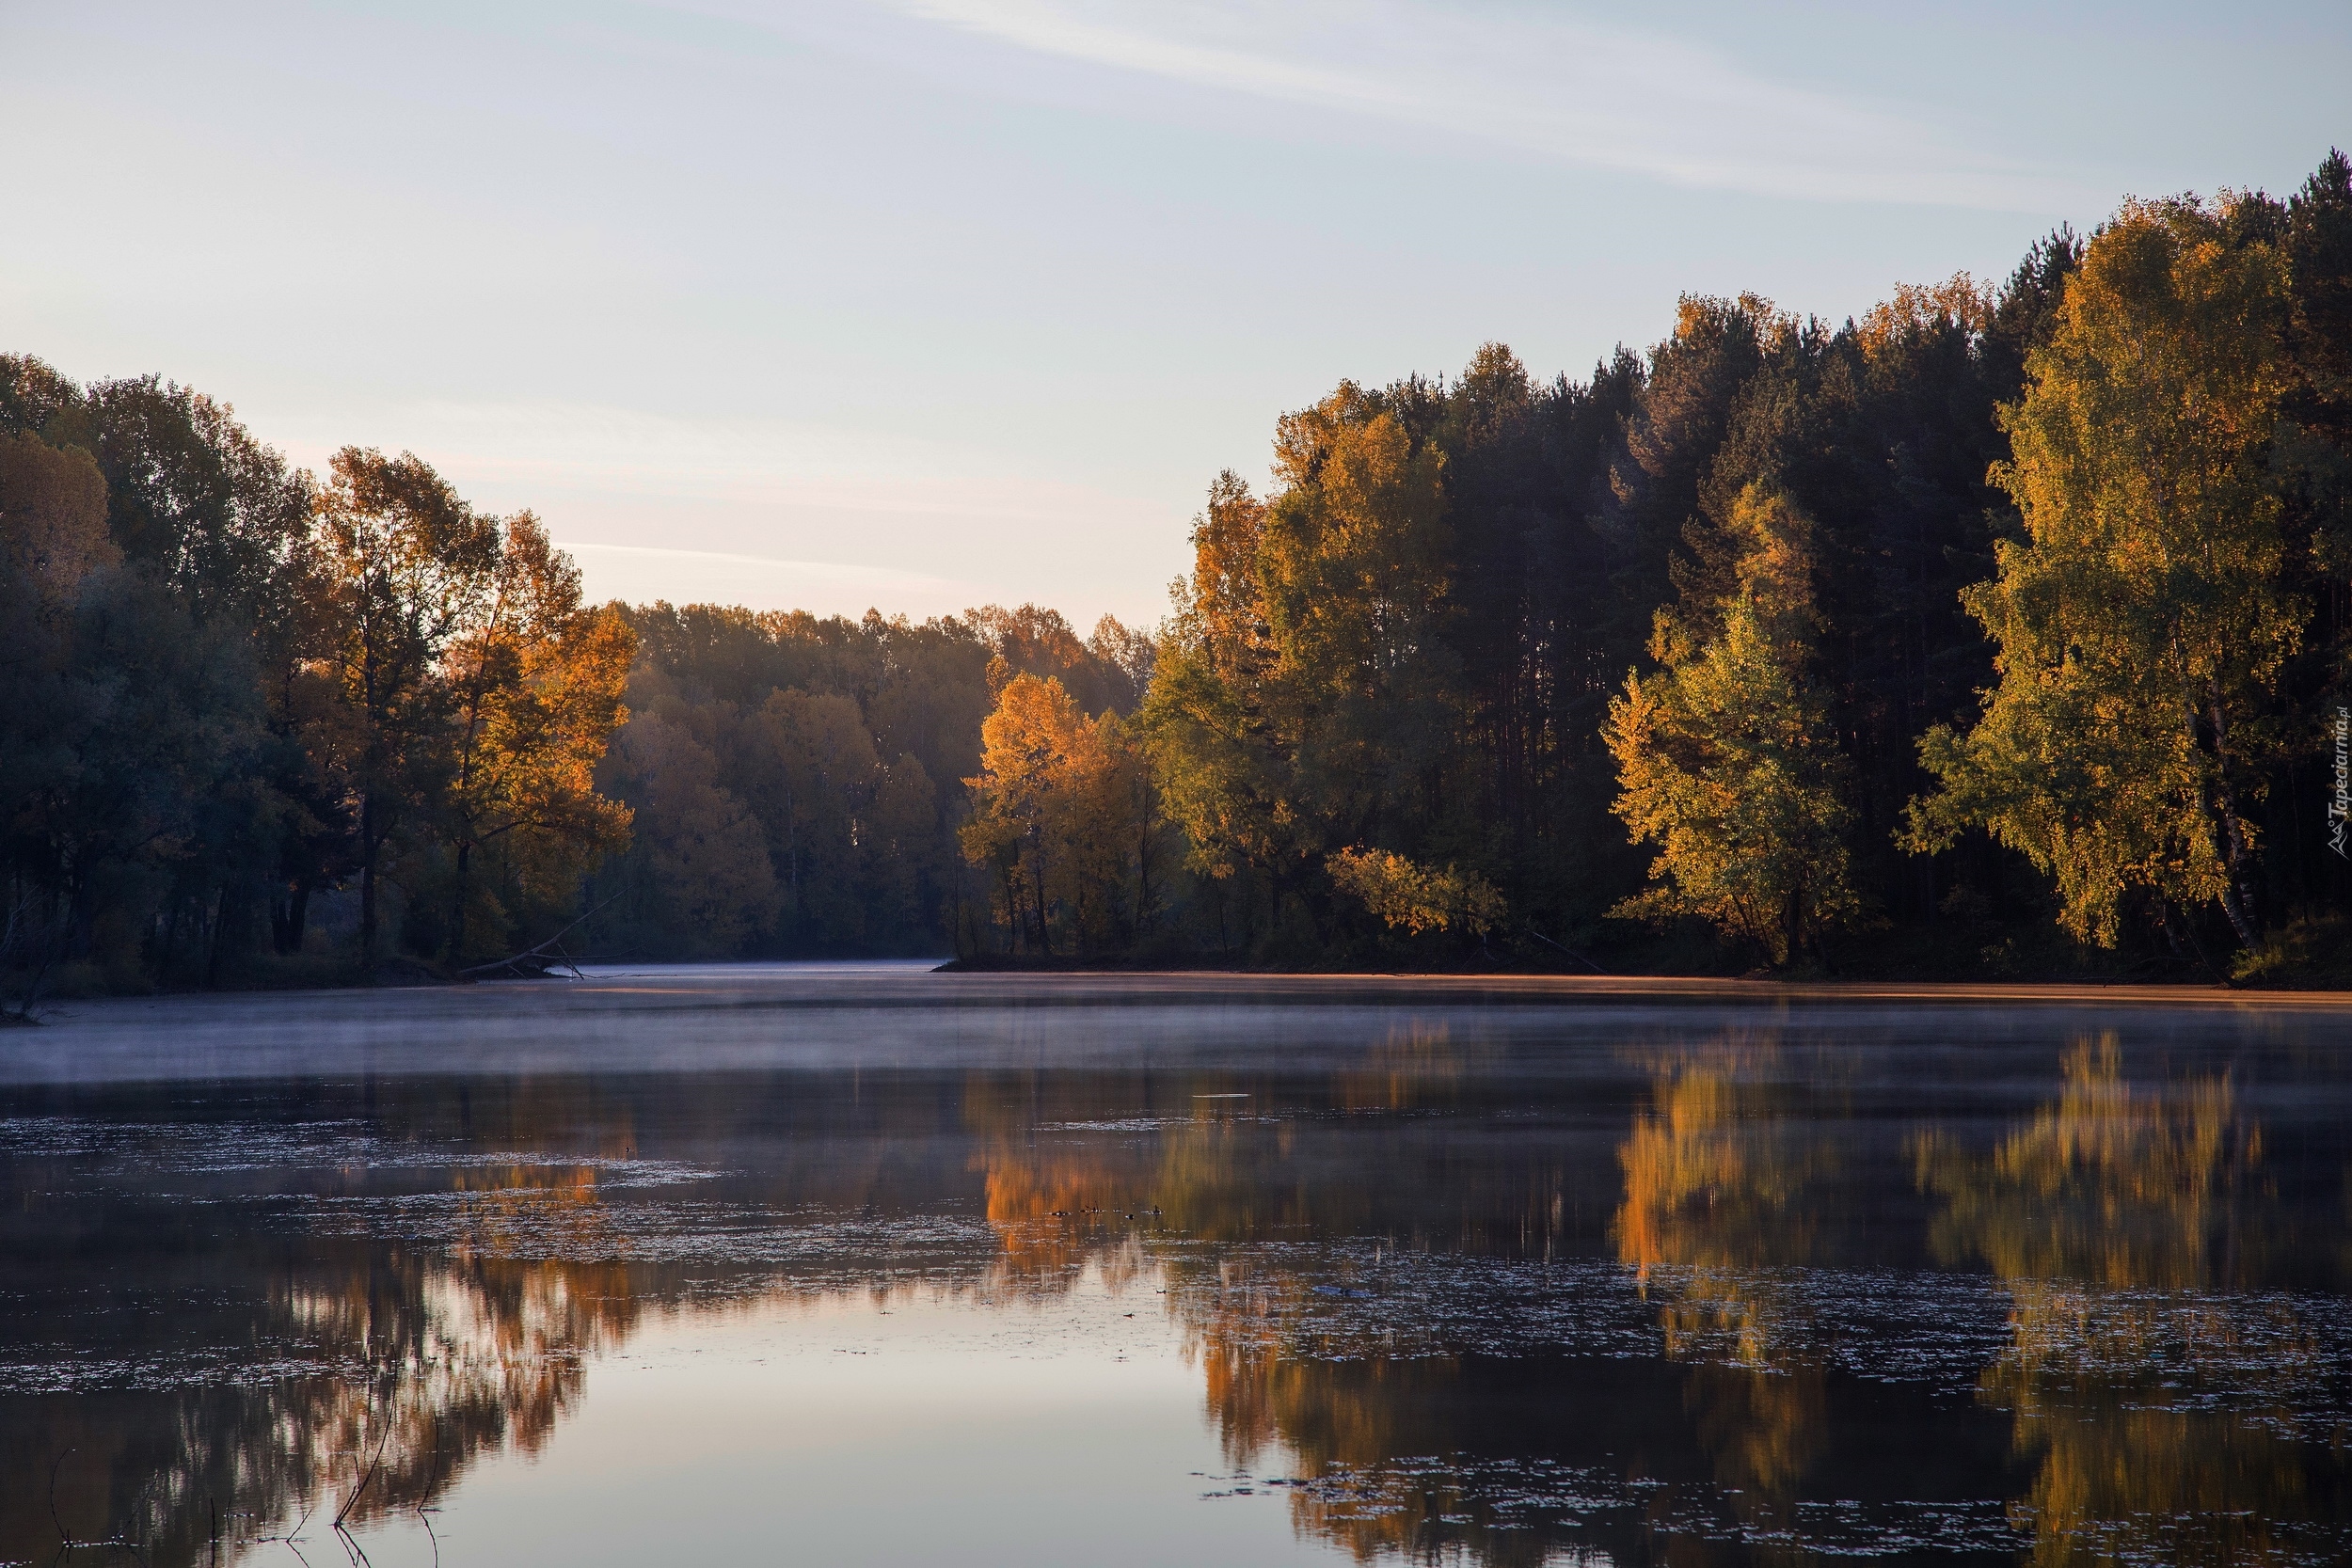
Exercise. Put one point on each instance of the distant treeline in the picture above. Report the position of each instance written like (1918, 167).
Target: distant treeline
(797, 784)
(260, 727)
(2002, 630)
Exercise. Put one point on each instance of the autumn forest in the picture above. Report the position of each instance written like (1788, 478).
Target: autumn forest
(2004, 631)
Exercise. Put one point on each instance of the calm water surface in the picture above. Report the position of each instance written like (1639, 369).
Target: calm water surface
(864, 1264)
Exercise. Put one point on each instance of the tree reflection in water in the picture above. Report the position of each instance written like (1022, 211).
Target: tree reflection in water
(1191, 1201)
(1716, 1179)
(388, 1366)
(1448, 1312)
(2160, 1404)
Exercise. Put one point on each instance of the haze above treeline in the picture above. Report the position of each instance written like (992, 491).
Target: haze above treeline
(2000, 631)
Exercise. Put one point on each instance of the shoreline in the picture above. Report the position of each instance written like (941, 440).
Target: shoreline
(904, 981)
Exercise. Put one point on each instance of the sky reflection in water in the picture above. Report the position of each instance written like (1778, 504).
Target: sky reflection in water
(866, 1264)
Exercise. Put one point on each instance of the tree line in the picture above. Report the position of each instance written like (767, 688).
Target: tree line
(1999, 630)
(234, 687)
(262, 727)
(799, 783)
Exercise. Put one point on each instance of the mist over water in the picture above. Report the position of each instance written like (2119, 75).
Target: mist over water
(862, 1263)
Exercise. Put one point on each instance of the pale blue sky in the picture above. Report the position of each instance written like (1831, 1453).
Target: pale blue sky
(919, 303)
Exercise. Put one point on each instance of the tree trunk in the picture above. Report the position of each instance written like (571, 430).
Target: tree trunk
(220, 926)
(1044, 934)
(2240, 919)
(171, 939)
(457, 911)
(2238, 900)
(1013, 915)
(367, 884)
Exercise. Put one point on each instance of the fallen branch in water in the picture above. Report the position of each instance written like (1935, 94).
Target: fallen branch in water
(1569, 951)
(63, 1534)
(533, 963)
(353, 1501)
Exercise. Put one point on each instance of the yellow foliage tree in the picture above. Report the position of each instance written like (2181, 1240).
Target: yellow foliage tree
(1416, 898)
(1062, 812)
(2142, 622)
(537, 680)
(1725, 759)
(1217, 736)
(1308, 698)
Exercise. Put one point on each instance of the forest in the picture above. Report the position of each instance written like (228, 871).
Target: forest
(2001, 631)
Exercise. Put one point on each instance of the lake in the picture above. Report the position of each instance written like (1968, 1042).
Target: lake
(860, 1263)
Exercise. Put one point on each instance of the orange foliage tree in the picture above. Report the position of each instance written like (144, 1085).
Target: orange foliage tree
(537, 681)
(1063, 815)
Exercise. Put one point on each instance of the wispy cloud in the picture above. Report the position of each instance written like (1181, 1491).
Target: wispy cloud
(775, 513)
(560, 449)
(1535, 80)
(643, 572)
